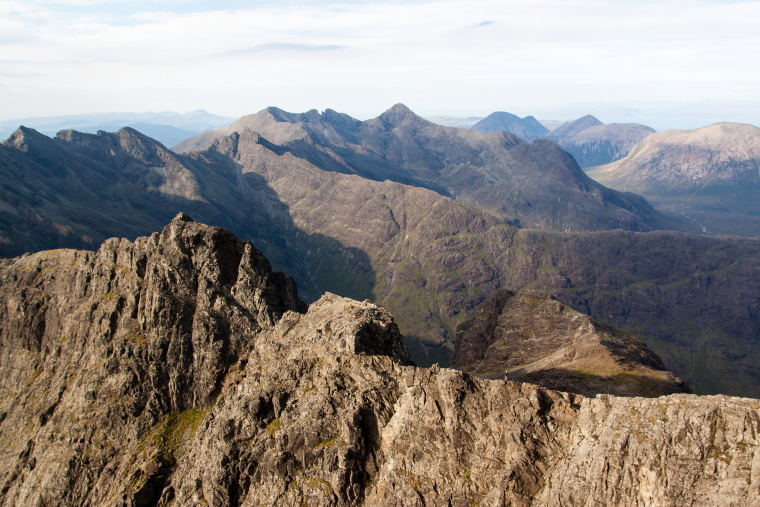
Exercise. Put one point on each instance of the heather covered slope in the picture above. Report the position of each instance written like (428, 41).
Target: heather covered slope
(179, 370)
(710, 174)
(537, 339)
(532, 185)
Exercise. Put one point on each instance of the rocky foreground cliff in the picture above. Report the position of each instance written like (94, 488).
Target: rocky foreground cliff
(179, 370)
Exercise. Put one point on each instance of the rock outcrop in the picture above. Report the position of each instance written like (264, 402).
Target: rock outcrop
(179, 370)
(537, 339)
(710, 174)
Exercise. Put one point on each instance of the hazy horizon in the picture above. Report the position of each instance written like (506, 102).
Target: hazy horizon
(64, 57)
(658, 115)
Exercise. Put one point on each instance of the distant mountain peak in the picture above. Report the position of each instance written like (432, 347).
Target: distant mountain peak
(20, 138)
(503, 114)
(576, 127)
(399, 114)
(527, 128)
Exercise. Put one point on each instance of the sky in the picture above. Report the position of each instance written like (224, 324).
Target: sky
(463, 58)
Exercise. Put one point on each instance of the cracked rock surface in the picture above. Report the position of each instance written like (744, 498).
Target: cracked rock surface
(179, 370)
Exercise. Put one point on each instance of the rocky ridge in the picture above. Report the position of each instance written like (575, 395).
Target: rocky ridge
(711, 174)
(179, 370)
(537, 339)
(497, 173)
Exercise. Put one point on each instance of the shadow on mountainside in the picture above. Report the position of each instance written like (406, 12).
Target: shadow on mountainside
(78, 190)
(351, 162)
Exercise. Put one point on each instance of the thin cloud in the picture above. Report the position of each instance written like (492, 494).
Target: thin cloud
(283, 46)
(379, 52)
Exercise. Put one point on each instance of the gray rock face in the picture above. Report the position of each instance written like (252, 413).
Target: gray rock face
(178, 370)
(527, 128)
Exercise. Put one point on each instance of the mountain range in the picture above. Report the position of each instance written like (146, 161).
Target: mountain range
(178, 369)
(711, 175)
(587, 139)
(425, 256)
(497, 173)
(167, 127)
(452, 121)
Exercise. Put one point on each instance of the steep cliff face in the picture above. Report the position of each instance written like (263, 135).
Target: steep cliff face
(539, 340)
(98, 348)
(178, 370)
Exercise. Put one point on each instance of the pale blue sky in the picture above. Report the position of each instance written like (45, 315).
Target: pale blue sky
(456, 57)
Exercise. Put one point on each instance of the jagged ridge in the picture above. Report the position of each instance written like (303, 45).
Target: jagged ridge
(213, 388)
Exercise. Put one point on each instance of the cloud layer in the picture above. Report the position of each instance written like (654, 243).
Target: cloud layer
(475, 56)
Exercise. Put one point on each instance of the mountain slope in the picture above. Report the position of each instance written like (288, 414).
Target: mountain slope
(429, 259)
(539, 340)
(711, 174)
(77, 190)
(527, 128)
(593, 143)
(530, 184)
(433, 260)
(179, 370)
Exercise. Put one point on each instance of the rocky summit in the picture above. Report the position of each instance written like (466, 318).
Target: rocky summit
(534, 338)
(179, 370)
